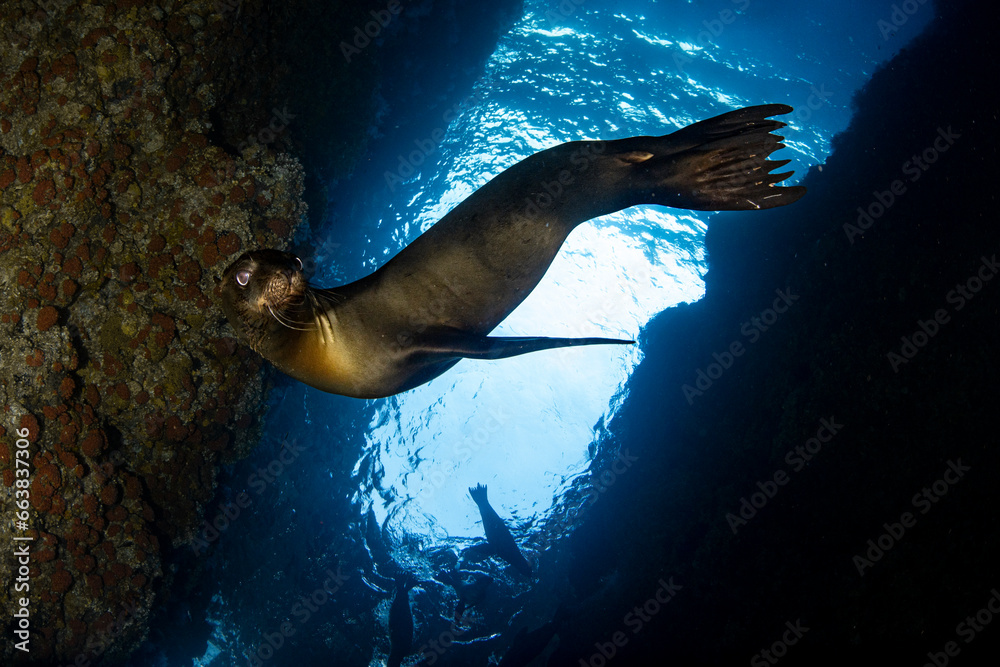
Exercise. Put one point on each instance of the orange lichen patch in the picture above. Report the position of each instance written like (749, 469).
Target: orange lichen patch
(25, 172)
(45, 191)
(93, 444)
(8, 478)
(69, 460)
(47, 288)
(158, 263)
(128, 272)
(279, 227)
(95, 583)
(61, 581)
(40, 500)
(49, 475)
(174, 162)
(210, 254)
(109, 494)
(206, 177)
(156, 243)
(189, 272)
(111, 365)
(229, 243)
(73, 267)
(29, 422)
(175, 429)
(133, 488)
(92, 396)
(66, 388)
(90, 505)
(116, 514)
(35, 359)
(94, 36)
(7, 177)
(85, 563)
(68, 287)
(118, 572)
(47, 316)
(237, 195)
(67, 436)
(61, 235)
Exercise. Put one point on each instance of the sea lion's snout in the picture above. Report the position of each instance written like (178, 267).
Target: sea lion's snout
(261, 287)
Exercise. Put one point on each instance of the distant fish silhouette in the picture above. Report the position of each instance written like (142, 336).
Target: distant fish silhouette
(401, 622)
(497, 534)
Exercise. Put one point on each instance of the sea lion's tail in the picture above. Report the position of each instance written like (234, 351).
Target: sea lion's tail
(718, 164)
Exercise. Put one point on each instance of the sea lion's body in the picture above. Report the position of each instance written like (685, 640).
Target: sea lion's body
(400, 622)
(435, 302)
(498, 536)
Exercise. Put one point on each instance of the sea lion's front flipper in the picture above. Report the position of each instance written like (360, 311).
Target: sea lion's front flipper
(453, 344)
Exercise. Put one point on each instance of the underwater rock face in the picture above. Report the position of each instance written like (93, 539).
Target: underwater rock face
(117, 216)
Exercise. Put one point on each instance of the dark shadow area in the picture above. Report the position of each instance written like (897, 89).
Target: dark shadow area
(825, 473)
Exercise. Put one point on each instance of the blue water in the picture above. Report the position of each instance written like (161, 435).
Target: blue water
(602, 70)
(526, 426)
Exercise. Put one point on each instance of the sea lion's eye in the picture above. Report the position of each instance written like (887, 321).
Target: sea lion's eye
(298, 264)
(243, 277)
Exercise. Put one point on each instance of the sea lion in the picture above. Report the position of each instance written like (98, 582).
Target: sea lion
(400, 622)
(470, 586)
(435, 302)
(498, 536)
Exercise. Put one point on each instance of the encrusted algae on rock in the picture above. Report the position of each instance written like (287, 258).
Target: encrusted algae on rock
(117, 217)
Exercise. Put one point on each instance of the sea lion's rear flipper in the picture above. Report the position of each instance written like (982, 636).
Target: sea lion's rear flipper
(471, 346)
(718, 164)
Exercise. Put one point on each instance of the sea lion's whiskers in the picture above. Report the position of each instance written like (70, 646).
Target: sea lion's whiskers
(284, 321)
(329, 297)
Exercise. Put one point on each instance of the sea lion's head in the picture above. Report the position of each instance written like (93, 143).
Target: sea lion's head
(263, 292)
